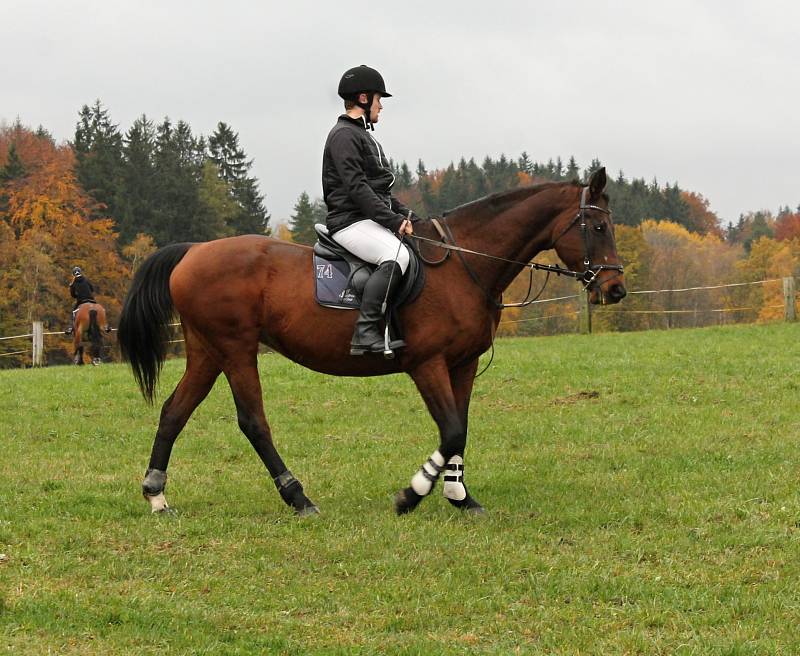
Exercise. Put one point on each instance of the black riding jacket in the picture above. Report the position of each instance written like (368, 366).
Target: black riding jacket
(81, 290)
(357, 180)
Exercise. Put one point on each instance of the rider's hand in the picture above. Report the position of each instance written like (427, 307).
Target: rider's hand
(406, 228)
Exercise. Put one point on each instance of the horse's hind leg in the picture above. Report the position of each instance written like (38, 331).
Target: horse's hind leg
(246, 387)
(197, 381)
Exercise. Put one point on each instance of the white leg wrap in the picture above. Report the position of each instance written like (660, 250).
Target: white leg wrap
(423, 481)
(454, 479)
(157, 502)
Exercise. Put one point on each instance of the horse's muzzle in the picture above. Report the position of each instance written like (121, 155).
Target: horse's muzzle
(616, 293)
(608, 296)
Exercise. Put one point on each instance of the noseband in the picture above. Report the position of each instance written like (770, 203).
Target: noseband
(590, 271)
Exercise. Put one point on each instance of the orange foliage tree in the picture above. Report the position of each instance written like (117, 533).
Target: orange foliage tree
(701, 219)
(787, 226)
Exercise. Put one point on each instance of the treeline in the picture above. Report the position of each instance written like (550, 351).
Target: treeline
(431, 193)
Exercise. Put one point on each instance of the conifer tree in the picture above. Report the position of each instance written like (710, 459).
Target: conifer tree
(573, 171)
(302, 221)
(98, 149)
(230, 158)
(136, 212)
(14, 167)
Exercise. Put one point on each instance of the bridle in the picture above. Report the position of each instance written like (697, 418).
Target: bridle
(590, 271)
(588, 276)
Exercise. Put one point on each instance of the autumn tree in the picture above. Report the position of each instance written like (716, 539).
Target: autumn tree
(787, 225)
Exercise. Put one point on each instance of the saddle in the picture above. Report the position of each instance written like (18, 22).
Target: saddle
(340, 276)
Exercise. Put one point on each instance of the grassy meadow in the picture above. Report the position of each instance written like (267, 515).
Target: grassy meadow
(641, 488)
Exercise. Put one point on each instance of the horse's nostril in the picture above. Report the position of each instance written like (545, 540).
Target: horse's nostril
(617, 292)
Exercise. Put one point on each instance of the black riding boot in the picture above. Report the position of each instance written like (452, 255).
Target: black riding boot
(368, 336)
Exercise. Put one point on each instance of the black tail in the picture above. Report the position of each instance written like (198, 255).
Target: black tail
(94, 334)
(144, 325)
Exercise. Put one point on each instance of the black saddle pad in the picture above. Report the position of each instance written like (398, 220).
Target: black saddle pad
(333, 288)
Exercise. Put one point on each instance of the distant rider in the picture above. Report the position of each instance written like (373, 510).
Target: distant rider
(82, 291)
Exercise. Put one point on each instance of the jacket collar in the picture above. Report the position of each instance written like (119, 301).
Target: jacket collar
(360, 121)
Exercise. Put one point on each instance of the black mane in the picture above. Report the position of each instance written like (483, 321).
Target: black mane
(502, 200)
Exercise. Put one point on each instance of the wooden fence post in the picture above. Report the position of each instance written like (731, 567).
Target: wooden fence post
(37, 355)
(789, 311)
(584, 313)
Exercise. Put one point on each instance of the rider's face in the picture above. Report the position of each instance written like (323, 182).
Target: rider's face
(376, 108)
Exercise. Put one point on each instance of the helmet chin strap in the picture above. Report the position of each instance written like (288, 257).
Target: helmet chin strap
(367, 107)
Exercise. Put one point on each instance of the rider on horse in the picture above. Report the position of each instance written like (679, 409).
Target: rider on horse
(363, 216)
(82, 291)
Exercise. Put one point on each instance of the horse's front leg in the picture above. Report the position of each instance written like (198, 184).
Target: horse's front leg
(454, 488)
(433, 382)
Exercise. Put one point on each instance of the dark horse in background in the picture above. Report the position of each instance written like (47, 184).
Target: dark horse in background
(232, 294)
(88, 318)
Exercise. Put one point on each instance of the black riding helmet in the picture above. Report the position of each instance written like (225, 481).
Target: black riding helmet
(76, 271)
(362, 79)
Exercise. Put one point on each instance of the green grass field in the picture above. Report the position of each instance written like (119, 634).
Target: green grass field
(659, 516)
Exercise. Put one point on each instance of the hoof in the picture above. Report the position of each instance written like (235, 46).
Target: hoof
(165, 512)
(475, 510)
(406, 500)
(469, 506)
(158, 503)
(307, 511)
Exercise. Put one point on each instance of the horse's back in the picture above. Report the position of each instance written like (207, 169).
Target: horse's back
(241, 279)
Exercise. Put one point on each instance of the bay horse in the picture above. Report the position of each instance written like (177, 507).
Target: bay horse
(88, 317)
(232, 294)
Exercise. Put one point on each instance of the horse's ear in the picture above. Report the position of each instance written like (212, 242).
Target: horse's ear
(597, 182)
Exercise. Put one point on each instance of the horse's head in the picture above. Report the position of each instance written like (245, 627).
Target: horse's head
(584, 240)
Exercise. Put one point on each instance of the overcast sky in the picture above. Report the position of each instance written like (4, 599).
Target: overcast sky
(703, 93)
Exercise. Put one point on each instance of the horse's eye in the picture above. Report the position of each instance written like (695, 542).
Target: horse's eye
(600, 227)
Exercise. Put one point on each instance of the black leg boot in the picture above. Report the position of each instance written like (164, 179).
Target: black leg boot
(368, 335)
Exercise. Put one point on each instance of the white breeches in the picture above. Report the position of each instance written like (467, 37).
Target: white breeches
(372, 243)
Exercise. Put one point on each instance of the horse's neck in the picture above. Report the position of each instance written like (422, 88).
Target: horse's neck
(517, 233)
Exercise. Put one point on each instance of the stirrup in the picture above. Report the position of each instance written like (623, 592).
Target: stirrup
(377, 348)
